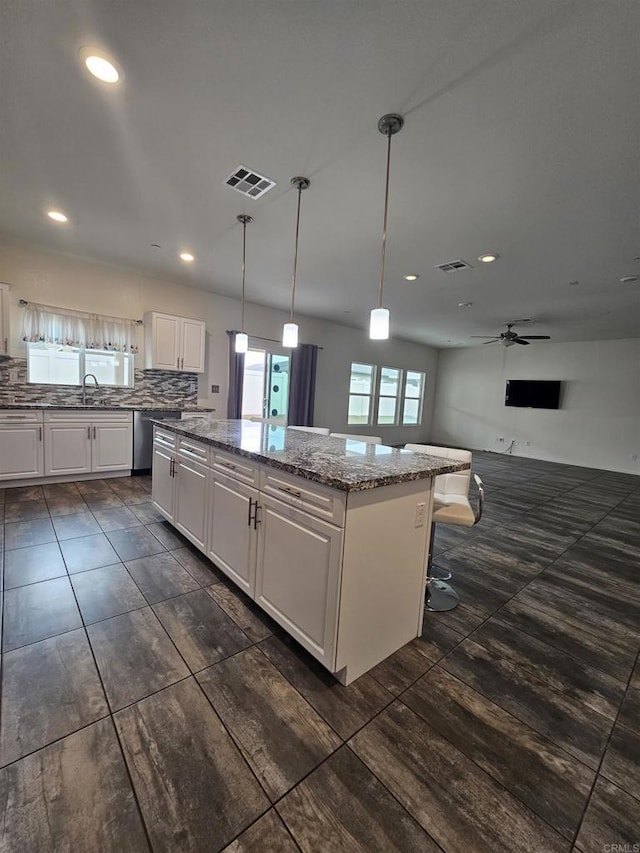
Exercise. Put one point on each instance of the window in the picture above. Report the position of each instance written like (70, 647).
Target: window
(361, 389)
(385, 396)
(265, 385)
(54, 364)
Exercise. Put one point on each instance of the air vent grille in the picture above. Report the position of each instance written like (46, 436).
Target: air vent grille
(249, 183)
(454, 266)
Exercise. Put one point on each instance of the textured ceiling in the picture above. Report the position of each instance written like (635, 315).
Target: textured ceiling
(521, 137)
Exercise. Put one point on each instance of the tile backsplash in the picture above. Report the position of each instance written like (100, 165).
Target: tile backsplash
(151, 387)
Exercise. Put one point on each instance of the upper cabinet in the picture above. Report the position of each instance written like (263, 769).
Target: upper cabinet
(4, 319)
(173, 343)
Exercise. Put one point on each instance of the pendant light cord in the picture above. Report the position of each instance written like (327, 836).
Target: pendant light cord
(295, 254)
(384, 224)
(244, 258)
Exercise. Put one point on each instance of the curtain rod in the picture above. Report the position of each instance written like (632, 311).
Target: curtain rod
(23, 303)
(259, 338)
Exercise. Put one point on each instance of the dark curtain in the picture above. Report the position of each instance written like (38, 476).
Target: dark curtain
(236, 375)
(302, 387)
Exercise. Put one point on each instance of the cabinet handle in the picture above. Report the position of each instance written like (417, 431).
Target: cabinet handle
(249, 517)
(227, 465)
(172, 467)
(94, 433)
(289, 491)
(89, 433)
(178, 363)
(40, 433)
(256, 520)
(6, 345)
(182, 363)
(15, 417)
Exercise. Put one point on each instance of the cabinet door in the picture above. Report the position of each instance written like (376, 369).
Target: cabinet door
(192, 345)
(191, 500)
(67, 448)
(163, 481)
(21, 451)
(232, 538)
(165, 345)
(112, 448)
(4, 319)
(298, 575)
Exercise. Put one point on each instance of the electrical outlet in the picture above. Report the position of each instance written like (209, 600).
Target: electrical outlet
(421, 514)
(13, 375)
(215, 389)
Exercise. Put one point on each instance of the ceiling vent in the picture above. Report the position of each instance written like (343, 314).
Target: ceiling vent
(454, 266)
(249, 183)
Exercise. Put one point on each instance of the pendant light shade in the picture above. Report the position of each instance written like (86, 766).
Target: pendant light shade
(242, 339)
(389, 125)
(290, 329)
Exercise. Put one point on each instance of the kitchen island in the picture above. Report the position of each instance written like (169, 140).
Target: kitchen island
(329, 536)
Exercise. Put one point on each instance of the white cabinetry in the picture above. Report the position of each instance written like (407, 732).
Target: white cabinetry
(163, 482)
(191, 473)
(21, 445)
(78, 443)
(232, 536)
(4, 319)
(174, 343)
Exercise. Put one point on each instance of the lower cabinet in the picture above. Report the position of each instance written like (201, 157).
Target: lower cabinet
(75, 445)
(190, 500)
(68, 448)
(163, 481)
(21, 451)
(233, 526)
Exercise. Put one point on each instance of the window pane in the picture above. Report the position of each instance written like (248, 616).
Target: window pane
(414, 383)
(51, 365)
(359, 408)
(389, 381)
(411, 411)
(387, 410)
(361, 378)
(109, 368)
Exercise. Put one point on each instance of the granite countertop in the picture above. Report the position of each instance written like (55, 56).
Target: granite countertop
(347, 465)
(99, 407)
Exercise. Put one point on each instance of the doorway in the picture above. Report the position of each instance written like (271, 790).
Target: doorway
(265, 387)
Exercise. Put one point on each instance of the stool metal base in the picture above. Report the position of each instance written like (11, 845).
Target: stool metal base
(441, 596)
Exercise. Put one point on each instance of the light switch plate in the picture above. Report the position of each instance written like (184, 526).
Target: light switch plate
(215, 389)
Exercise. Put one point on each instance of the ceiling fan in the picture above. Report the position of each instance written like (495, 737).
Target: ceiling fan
(509, 338)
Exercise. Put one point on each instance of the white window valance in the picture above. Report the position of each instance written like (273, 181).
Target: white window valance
(66, 327)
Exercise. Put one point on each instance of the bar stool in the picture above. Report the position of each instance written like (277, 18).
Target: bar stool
(451, 505)
(318, 430)
(372, 439)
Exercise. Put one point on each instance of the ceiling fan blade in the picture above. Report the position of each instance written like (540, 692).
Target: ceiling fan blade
(520, 341)
(535, 337)
(494, 341)
(484, 336)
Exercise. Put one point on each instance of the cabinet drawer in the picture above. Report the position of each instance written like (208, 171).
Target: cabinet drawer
(189, 449)
(321, 501)
(236, 466)
(20, 416)
(165, 439)
(88, 416)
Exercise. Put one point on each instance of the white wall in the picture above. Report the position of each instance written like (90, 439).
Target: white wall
(55, 279)
(597, 425)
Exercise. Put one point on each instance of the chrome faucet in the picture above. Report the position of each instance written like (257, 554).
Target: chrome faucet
(84, 386)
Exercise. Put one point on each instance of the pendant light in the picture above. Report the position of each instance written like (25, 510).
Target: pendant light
(290, 329)
(389, 125)
(242, 339)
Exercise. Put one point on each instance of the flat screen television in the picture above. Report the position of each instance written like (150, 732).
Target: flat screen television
(533, 393)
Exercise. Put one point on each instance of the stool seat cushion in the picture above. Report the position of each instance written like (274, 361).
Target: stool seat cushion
(456, 510)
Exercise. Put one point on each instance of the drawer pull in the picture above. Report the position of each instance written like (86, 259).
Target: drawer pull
(227, 465)
(15, 417)
(290, 491)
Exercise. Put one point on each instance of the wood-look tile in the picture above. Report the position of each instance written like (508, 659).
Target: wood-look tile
(268, 833)
(146, 512)
(611, 817)
(195, 790)
(463, 619)
(23, 493)
(576, 680)
(160, 576)
(30, 565)
(72, 795)
(278, 732)
(50, 689)
(198, 566)
(135, 656)
(346, 709)
(38, 611)
(93, 487)
(26, 510)
(23, 534)
(60, 490)
(201, 630)
(88, 552)
(103, 500)
(167, 534)
(635, 677)
(106, 592)
(73, 526)
(116, 518)
(134, 542)
(476, 813)
(66, 505)
(575, 727)
(403, 667)
(621, 763)
(544, 777)
(341, 806)
(253, 621)
(603, 649)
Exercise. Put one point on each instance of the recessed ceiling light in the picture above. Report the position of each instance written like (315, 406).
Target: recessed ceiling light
(489, 258)
(99, 65)
(413, 276)
(57, 216)
(465, 304)
(187, 257)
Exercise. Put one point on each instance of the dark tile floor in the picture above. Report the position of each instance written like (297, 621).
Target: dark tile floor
(147, 704)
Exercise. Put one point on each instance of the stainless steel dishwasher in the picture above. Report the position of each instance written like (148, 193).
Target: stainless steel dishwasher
(143, 436)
